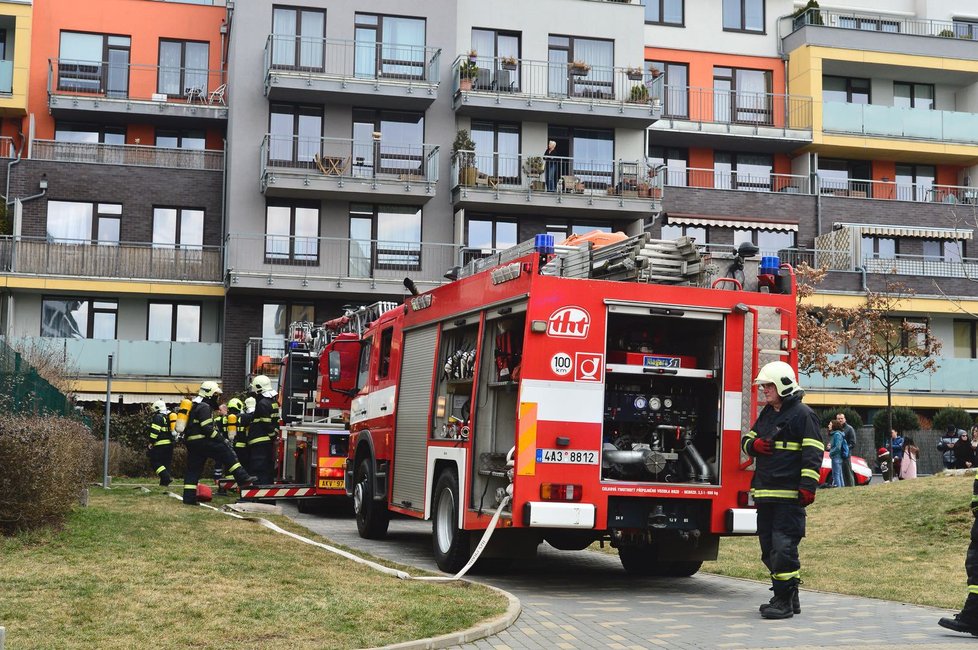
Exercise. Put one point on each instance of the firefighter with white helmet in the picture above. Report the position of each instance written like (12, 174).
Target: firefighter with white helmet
(262, 429)
(241, 439)
(228, 425)
(160, 442)
(204, 441)
(788, 447)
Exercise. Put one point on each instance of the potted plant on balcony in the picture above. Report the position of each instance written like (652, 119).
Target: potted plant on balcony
(579, 68)
(533, 168)
(463, 150)
(508, 63)
(634, 73)
(808, 15)
(467, 71)
(639, 94)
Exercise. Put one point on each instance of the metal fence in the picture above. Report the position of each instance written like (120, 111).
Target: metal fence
(117, 80)
(888, 23)
(737, 107)
(25, 391)
(127, 154)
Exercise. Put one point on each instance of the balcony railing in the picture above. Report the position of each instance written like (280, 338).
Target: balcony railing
(528, 174)
(346, 158)
(898, 191)
(263, 355)
(737, 107)
(7, 149)
(897, 122)
(338, 259)
(117, 260)
(126, 154)
(952, 376)
(887, 23)
(727, 180)
(899, 264)
(122, 81)
(82, 357)
(6, 76)
(356, 60)
(557, 81)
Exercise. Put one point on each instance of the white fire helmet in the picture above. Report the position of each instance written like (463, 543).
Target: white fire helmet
(781, 375)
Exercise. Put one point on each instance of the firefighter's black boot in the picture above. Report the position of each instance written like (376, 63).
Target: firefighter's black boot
(795, 602)
(243, 479)
(781, 606)
(190, 495)
(165, 478)
(959, 624)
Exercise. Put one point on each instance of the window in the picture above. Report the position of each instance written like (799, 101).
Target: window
(178, 228)
(869, 24)
(845, 89)
(845, 177)
(590, 154)
(674, 231)
(599, 80)
(170, 321)
(386, 342)
(389, 46)
(485, 236)
(742, 96)
(295, 134)
(914, 332)
(384, 237)
(879, 248)
(183, 68)
(292, 232)
(676, 87)
(492, 46)
(400, 149)
(742, 171)
(275, 321)
(942, 250)
(94, 63)
(965, 339)
(664, 12)
(743, 15)
(497, 147)
(297, 38)
(915, 182)
(80, 223)
(181, 139)
(769, 241)
(676, 161)
(913, 95)
(90, 133)
(966, 29)
(78, 318)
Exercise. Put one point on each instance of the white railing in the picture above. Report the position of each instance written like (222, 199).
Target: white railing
(127, 154)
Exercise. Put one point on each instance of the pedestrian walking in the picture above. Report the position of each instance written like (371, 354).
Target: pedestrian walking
(160, 442)
(850, 435)
(908, 468)
(787, 446)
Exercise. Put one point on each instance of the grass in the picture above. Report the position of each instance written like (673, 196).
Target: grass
(902, 541)
(138, 569)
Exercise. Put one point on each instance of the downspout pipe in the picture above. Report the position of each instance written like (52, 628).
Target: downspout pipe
(10, 166)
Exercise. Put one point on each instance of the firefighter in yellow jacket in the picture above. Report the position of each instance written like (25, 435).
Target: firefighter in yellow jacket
(788, 447)
(160, 442)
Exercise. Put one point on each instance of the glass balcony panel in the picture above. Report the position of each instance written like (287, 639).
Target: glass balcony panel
(195, 359)
(143, 358)
(960, 127)
(6, 76)
(917, 123)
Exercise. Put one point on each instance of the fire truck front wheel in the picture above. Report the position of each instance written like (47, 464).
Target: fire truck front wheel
(372, 516)
(451, 544)
(643, 561)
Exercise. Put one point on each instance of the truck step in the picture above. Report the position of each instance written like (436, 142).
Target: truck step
(278, 491)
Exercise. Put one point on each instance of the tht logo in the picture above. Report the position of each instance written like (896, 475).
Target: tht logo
(569, 322)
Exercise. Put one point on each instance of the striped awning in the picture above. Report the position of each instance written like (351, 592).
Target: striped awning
(683, 219)
(908, 231)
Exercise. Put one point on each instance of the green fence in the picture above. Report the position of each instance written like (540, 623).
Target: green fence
(25, 391)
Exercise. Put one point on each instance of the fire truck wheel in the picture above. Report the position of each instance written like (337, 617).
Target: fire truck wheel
(451, 545)
(372, 516)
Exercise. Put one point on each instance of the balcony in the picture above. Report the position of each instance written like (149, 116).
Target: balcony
(557, 93)
(118, 92)
(516, 183)
(144, 359)
(733, 120)
(886, 190)
(6, 77)
(125, 154)
(872, 120)
(329, 264)
(354, 170)
(953, 377)
(38, 256)
(698, 177)
(369, 74)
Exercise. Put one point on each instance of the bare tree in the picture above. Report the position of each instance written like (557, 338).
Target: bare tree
(820, 331)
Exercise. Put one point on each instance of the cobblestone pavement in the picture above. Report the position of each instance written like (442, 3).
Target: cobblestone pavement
(584, 599)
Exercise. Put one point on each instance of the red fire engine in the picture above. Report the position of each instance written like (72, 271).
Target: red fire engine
(597, 393)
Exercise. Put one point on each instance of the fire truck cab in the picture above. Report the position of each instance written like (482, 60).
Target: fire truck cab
(604, 390)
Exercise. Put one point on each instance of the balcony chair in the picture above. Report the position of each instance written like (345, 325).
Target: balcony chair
(571, 184)
(331, 165)
(216, 96)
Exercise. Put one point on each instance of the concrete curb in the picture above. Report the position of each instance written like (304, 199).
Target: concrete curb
(469, 635)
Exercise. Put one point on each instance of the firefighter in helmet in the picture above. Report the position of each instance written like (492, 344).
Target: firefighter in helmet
(241, 439)
(262, 430)
(228, 425)
(967, 619)
(204, 441)
(160, 442)
(787, 444)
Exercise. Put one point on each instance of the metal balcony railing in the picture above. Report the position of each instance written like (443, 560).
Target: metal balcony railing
(900, 263)
(888, 23)
(528, 174)
(898, 191)
(338, 259)
(355, 60)
(727, 180)
(557, 81)
(119, 260)
(114, 80)
(7, 149)
(263, 355)
(348, 158)
(126, 154)
(737, 107)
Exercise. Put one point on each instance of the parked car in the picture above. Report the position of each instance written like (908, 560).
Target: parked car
(861, 472)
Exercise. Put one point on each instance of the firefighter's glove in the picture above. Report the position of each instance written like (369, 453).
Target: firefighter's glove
(763, 446)
(974, 506)
(806, 497)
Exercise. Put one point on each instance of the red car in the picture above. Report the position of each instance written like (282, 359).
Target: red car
(861, 472)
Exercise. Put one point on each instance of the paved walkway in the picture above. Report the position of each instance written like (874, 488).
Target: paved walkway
(584, 599)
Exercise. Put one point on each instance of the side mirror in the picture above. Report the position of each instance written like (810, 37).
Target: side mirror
(343, 359)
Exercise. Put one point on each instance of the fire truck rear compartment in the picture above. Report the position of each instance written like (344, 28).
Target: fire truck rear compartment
(677, 528)
(661, 407)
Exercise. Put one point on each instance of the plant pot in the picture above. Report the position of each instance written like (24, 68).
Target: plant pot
(579, 72)
(465, 84)
(635, 76)
(538, 185)
(467, 176)
(507, 66)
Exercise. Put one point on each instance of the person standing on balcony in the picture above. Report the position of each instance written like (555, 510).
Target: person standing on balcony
(550, 166)
(262, 430)
(160, 442)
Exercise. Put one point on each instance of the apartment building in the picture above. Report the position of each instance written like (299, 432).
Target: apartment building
(840, 136)
(115, 190)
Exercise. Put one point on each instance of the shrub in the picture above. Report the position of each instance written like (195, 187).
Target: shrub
(639, 93)
(958, 417)
(852, 417)
(44, 465)
(904, 420)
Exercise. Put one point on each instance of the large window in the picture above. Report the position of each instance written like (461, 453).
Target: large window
(675, 103)
(292, 232)
(845, 177)
(913, 95)
(879, 247)
(90, 133)
(275, 321)
(183, 69)
(590, 154)
(94, 63)
(384, 237)
(915, 182)
(674, 231)
(563, 80)
(965, 339)
(191, 139)
(742, 95)
(170, 321)
(743, 15)
(78, 318)
(178, 228)
(742, 171)
(491, 46)
(849, 90)
(497, 149)
(942, 250)
(389, 46)
(400, 149)
(82, 222)
(295, 134)
(769, 241)
(297, 40)
(675, 161)
(487, 235)
(664, 12)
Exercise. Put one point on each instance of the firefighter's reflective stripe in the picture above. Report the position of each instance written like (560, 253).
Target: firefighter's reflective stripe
(787, 446)
(158, 427)
(190, 487)
(811, 442)
(160, 469)
(748, 439)
(809, 473)
(204, 423)
(160, 443)
(775, 494)
(262, 420)
(195, 437)
(786, 576)
(973, 589)
(230, 470)
(254, 441)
